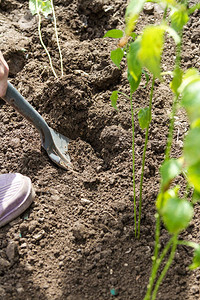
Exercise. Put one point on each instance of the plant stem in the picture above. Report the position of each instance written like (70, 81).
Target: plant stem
(171, 129)
(144, 155)
(174, 105)
(57, 40)
(133, 162)
(155, 268)
(157, 237)
(41, 40)
(168, 264)
(188, 243)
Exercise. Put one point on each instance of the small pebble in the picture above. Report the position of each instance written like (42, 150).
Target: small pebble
(85, 201)
(12, 251)
(4, 263)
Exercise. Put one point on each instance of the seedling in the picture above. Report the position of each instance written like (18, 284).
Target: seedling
(46, 8)
(144, 52)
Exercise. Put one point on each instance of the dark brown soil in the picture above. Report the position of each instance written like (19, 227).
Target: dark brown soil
(76, 241)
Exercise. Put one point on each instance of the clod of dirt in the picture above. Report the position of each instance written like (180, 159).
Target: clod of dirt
(12, 251)
(148, 8)
(114, 138)
(79, 231)
(3, 264)
(105, 77)
(94, 6)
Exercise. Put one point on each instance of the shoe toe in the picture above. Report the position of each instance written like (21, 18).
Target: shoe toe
(16, 194)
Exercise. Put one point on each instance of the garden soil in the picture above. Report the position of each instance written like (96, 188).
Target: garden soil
(76, 241)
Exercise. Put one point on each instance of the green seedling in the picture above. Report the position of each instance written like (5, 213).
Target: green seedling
(46, 8)
(144, 52)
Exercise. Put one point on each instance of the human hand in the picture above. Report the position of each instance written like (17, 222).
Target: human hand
(4, 70)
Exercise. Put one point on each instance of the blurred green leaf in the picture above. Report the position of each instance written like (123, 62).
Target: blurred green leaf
(134, 65)
(179, 17)
(196, 259)
(133, 35)
(193, 8)
(44, 7)
(133, 83)
(191, 100)
(132, 12)
(114, 33)
(144, 117)
(195, 197)
(170, 2)
(191, 149)
(114, 98)
(151, 49)
(190, 76)
(172, 33)
(169, 170)
(177, 213)
(193, 176)
(164, 196)
(116, 56)
(177, 80)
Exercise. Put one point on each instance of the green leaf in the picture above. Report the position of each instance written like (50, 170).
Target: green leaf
(196, 259)
(195, 197)
(191, 149)
(191, 100)
(114, 98)
(169, 170)
(163, 197)
(134, 66)
(133, 35)
(43, 7)
(144, 117)
(133, 83)
(132, 13)
(193, 8)
(116, 56)
(170, 2)
(177, 213)
(193, 176)
(114, 33)
(177, 80)
(172, 33)
(151, 48)
(179, 17)
(190, 76)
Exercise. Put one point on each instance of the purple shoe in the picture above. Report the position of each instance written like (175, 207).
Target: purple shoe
(16, 195)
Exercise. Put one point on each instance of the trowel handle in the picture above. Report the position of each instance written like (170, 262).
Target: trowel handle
(15, 99)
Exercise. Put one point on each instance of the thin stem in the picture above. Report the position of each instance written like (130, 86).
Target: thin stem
(165, 13)
(133, 162)
(41, 40)
(126, 96)
(171, 129)
(168, 264)
(174, 105)
(188, 243)
(57, 40)
(157, 237)
(155, 268)
(193, 8)
(144, 155)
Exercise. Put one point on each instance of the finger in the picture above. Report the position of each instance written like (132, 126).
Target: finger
(3, 62)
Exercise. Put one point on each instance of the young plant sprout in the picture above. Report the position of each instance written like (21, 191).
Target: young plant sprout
(46, 8)
(144, 52)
